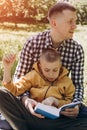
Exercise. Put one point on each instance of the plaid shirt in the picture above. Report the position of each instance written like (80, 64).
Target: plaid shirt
(72, 56)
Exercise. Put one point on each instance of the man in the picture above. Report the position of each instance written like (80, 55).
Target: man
(62, 18)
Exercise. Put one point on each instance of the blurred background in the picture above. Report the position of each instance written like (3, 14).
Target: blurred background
(19, 19)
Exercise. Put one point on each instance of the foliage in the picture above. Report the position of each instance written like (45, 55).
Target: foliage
(82, 14)
(1, 54)
(33, 11)
(81, 6)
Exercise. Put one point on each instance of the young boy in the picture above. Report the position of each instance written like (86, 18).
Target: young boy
(47, 83)
(47, 79)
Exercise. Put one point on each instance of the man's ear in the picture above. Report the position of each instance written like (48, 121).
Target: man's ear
(53, 23)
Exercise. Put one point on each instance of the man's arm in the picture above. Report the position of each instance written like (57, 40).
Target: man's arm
(77, 74)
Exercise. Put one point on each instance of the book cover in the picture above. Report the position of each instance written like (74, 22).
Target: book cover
(51, 111)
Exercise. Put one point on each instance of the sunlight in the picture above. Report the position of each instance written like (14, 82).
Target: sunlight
(2, 2)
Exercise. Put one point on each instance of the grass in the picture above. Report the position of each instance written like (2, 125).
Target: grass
(81, 37)
(12, 40)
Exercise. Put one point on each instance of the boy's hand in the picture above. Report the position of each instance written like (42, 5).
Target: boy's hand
(52, 101)
(8, 60)
(30, 104)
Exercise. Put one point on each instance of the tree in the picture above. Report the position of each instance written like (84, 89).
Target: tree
(32, 11)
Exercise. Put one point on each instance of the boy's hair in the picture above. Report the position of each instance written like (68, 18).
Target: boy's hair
(50, 55)
(59, 8)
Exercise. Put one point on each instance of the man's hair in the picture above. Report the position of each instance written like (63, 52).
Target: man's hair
(59, 7)
(50, 55)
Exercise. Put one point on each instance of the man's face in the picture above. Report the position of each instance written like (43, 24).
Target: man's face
(65, 24)
(50, 69)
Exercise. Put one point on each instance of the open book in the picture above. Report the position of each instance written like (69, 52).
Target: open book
(51, 111)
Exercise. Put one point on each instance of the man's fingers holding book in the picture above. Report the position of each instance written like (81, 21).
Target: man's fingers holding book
(71, 112)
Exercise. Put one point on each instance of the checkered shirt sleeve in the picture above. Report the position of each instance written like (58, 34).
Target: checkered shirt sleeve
(72, 56)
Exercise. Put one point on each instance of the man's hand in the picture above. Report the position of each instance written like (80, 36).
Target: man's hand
(30, 104)
(71, 112)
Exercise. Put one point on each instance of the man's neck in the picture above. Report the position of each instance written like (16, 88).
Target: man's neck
(56, 40)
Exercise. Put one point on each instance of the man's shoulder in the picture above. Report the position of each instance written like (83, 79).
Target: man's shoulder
(39, 39)
(73, 43)
(41, 35)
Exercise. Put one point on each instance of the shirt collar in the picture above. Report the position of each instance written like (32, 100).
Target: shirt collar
(49, 41)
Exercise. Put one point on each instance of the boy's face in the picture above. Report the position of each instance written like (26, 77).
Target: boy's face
(50, 69)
